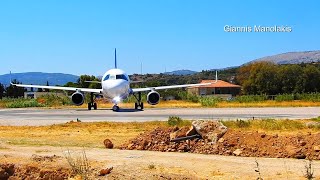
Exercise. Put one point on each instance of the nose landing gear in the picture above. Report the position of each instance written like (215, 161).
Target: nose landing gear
(115, 108)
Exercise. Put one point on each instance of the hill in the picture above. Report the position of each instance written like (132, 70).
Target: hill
(181, 72)
(39, 78)
(292, 57)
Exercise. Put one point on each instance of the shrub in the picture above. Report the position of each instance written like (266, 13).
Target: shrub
(193, 98)
(174, 121)
(242, 124)
(284, 97)
(251, 98)
(54, 100)
(23, 103)
(209, 101)
(237, 124)
(313, 97)
(272, 124)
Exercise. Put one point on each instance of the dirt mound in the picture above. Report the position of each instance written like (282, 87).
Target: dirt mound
(233, 142)
(13, 171)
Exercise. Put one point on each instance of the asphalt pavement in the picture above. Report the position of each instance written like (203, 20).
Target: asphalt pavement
(36, 116)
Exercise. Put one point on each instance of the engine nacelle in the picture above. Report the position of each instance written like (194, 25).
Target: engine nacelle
(77, 98)
(153, 97)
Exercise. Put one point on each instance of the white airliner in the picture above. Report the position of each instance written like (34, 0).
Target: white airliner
(115, 85)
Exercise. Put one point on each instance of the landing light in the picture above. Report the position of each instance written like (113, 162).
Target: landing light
(116, 99)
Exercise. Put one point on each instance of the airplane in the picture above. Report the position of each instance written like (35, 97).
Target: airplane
(115, 85)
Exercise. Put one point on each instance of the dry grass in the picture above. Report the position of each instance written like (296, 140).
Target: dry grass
(223, 104)
(284, 127)
(75, 134)
(186, 104)
(269, 103)
(79, 134)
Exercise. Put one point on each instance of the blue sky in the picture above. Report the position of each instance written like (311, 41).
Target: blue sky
(79, 37)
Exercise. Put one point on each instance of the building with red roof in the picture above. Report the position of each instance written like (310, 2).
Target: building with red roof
(220, 88)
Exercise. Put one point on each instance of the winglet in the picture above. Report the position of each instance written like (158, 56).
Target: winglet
(115, 58)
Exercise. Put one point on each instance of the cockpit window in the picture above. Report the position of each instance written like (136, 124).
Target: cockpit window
(121, 76)
(107, 77)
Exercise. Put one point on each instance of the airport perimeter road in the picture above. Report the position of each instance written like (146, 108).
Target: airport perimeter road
(36, 117)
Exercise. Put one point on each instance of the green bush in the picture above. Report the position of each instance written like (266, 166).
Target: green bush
(210, 101)
(251, 98)
(313, 97)
(174, 121)
(284, 97)
(192, 98)
(54, 100)
(23, 103)
(237, 124)
(272, 124)
(242, 124)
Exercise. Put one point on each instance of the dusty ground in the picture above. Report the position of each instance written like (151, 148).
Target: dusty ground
(155, 165)
(40, 151)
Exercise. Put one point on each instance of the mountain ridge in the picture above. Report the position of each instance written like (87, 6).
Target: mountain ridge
(39, 78)
(296, 57)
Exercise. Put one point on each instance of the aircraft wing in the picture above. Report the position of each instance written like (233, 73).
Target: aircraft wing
(169, 87)
(60, 88)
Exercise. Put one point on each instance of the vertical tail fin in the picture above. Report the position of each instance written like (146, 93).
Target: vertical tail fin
(115, 58)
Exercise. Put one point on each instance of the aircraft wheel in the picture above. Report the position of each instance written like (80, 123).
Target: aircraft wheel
(95, 106)
(141, 106)
(135, 105)
(89, 106)
(115, 108)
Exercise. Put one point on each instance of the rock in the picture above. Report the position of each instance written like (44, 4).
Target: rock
(210, 130)
(300, 156)
(221, 140)
(316, 148)
(292, 150)
(191, 131)
(302, 143)
(178, 133)
(263, 135)
(106, 171)
(6, 170)
(130, 146)
(237, 152)
(108, 144)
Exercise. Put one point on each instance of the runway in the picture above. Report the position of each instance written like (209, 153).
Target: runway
(39, 117)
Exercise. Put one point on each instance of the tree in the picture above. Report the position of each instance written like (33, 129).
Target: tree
(1, 90)
(82, 82)
(311, 79)
(289, 77)
(259, 78)
(14, 91)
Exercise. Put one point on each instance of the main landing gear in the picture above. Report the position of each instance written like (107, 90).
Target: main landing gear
(138, 104)
(92, 104)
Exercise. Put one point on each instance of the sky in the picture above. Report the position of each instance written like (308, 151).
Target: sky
(78, 37)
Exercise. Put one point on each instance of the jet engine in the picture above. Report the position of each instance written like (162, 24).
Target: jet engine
(77, 98)
(153, 97)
